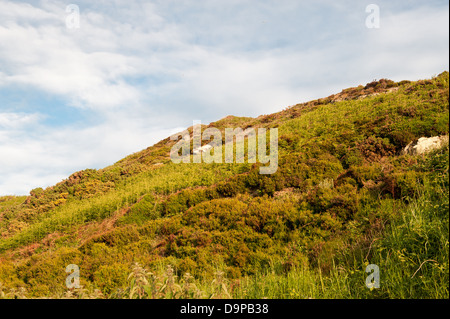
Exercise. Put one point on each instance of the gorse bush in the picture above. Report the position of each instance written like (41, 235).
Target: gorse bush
(343, 197)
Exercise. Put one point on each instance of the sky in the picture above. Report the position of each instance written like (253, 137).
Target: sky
(86, 83)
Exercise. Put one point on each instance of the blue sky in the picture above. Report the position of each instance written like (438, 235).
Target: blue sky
(135, 72)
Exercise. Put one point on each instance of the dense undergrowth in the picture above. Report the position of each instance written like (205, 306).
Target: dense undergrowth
(343, 197)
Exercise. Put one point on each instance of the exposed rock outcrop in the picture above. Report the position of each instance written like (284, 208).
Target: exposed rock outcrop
(425, 144)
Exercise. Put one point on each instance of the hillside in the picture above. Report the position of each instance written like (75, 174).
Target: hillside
(344, 196)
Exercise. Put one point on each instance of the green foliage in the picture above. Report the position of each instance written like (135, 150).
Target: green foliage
(343, 197)
(110, 277)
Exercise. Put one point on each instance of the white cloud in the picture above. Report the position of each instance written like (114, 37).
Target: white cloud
(49, 156)
(14, 121)
(40, 52)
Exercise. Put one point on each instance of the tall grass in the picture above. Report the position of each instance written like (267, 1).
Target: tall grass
(167, 179)
(308, 231)
(413, 257)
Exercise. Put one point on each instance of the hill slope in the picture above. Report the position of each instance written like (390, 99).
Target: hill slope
(343, 197)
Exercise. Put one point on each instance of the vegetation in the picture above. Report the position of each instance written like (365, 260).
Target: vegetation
(343, 198)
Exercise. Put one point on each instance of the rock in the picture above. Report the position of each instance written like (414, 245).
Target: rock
(201, 149)
(425, 144)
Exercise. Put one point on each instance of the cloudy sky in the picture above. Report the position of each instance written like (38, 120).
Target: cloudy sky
(134, 72)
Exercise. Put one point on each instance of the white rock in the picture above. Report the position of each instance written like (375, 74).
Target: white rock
(202, 149)
(425, 144)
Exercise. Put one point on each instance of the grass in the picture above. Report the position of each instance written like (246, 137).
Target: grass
(412, 256)
(343, 198)
(167, 180)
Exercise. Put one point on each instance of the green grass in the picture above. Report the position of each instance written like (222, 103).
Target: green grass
(412, 256)
(343, 197)
(166, 180)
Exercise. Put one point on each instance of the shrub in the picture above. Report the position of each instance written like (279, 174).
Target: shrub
(110, 277)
